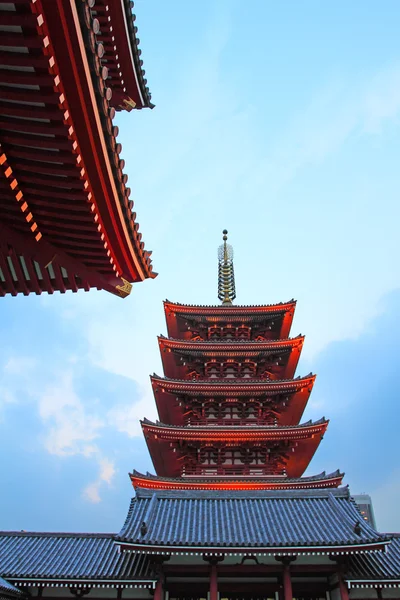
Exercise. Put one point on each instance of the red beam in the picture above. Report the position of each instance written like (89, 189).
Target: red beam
(13, 138)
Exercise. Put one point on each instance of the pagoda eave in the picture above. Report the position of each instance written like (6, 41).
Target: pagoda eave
(168, 445)
(227, 313)
(130, 89)
(139, 480)
(167, 391)
(216, 433)
(229, 386)
(172, 352)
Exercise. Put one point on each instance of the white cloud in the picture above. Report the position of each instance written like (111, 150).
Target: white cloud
(125, 417)
(71, 428)
(92, 492)
(106, 475)
(19, 365)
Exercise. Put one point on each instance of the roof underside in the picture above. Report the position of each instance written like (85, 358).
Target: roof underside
(66, 220)
(259, 520)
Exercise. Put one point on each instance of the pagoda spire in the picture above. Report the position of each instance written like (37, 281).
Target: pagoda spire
(226, 275)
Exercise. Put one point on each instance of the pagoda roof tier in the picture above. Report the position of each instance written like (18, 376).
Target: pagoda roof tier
(166, 392)
(167, 443)
(259, 522)
(70, 560)
(149, 481)
(178, 316)
(66, 220)
(172, 349)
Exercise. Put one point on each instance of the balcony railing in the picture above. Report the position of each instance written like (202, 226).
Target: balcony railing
(232, 471)
(249, 421)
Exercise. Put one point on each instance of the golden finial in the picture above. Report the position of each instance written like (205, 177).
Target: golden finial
(226, 275)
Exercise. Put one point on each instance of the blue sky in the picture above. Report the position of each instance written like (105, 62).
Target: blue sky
(281, 123)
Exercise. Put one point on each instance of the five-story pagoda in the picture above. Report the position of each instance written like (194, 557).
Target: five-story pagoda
(230, 408)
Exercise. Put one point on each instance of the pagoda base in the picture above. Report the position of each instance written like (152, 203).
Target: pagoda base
(149, 481)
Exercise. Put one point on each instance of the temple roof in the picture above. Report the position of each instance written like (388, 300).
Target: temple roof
(370, 568)
(168, 443)
(179, 317)
(230, 345)
(69, 557)
(8, 591)
(232, 308)
(263, 521)
(245, 432)
(232, 386)
(151, 481)
(298, 391)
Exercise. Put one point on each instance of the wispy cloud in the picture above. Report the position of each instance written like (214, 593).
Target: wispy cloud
(71, 424)
(106, 475)
(70, 428)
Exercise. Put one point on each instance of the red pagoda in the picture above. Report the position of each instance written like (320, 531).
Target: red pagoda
(229, 515)
(229, 405)
(66, 218)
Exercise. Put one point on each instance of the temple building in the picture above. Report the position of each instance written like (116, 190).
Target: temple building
(229, 512)
(66, 216)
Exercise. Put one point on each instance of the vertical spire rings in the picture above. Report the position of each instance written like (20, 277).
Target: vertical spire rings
(226, 275)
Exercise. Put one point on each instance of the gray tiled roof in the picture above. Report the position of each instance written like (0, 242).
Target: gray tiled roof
(264, 519)
(377, 565)
(68, 556)
(7, 590)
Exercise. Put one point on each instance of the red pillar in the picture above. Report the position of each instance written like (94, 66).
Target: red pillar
(158, 592)
(287, 583)
(344, 593)
(213, 583)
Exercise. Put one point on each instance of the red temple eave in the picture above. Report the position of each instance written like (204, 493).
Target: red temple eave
(308, 431)
(165, 443)
(140, 480)
(224, 346)
(214, 313)
(223, 310)
(85, 119)
(167, 391)
(229, 349)
(119, 33)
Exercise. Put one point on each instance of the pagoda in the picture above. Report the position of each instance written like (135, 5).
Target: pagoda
(229, 514)
(229, 405)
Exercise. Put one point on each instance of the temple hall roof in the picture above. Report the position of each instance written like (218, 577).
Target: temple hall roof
(263, 521)
(8, 591)
(69, 558)
(369, 568)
